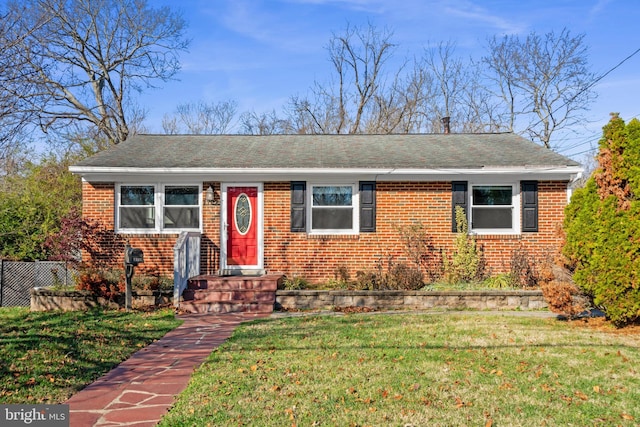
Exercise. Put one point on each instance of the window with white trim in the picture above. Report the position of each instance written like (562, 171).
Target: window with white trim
(144, 209)
(181, 207)
(493, 209)
(333, 209)
(137, 207)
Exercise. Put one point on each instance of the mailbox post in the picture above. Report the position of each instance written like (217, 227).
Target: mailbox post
(132, 257)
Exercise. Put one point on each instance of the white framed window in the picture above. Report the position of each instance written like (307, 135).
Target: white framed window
(333, 209)
(181, 207)
(494, 209)
(157, 208)
(136, 207)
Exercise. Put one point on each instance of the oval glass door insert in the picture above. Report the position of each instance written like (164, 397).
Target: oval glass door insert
(243, 214)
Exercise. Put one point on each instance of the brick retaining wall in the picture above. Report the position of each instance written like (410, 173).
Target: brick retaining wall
(403, 300)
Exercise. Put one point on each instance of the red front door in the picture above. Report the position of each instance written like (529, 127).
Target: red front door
(242, 218)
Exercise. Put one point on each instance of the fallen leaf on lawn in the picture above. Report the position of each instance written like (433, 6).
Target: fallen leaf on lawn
(254, 368)
(398, 397)
(597, 389)
(626, 416)
(275, 388)
(581, 395)
(489, 423)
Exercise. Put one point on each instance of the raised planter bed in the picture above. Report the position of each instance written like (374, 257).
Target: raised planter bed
(44, 299)
(411, 300)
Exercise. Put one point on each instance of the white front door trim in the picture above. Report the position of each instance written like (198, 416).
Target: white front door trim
(224, 227)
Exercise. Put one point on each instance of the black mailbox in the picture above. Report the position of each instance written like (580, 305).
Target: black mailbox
(133, 256)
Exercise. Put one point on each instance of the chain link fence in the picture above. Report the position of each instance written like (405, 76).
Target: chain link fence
(17, 278)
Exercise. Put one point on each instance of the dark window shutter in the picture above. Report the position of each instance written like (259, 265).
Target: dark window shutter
(298, 206)
(458, 198)
(367, 206)
(529, 195)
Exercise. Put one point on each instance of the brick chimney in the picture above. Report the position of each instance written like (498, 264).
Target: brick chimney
(445, 123)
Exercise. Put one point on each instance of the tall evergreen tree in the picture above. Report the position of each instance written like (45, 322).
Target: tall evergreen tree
(602, 225)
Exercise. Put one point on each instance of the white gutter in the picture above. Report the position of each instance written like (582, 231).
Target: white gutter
(544, 170)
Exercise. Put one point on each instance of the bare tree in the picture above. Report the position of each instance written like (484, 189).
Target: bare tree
(543, 80)
(453, 88)
(81, 59)
(270, 123)
(201, 118)
(12, 120)
(343, 106)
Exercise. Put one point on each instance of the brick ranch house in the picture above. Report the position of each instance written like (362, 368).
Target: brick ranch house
(309, 205)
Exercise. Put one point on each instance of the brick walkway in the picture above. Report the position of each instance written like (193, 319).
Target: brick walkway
(140, 390)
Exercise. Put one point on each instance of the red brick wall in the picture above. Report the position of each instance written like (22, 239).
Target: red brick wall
(317, 258)
(108, 247)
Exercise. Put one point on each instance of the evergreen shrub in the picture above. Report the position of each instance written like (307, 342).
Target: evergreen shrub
(602, 225)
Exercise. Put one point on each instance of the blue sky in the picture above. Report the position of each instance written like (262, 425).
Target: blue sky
(259, 53)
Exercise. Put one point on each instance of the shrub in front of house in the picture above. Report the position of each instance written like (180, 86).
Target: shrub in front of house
(100, 282)
(110, 283)
(602, 226)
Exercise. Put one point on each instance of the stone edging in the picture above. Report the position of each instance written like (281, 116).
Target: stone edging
(399, 300)
(43, 299)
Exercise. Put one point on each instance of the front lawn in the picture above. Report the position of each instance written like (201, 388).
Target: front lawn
(415, 370)
(47, 356)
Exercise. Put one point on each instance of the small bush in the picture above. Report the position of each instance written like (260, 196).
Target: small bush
(151, 283)
(367, 281)
(102, 283)
(564, 297)
(109, 283)
(467, 262)
(501, 281)
(393, 276)
(420, 250)
(523, 274)
(403, 277)
(294, 284)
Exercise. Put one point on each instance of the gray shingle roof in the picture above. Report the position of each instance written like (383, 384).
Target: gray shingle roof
(412, 151)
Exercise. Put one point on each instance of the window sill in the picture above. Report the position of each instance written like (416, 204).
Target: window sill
(333, 236)
(510, 236)
(154, 232)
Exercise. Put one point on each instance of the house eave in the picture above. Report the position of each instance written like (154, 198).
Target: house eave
(113, 174)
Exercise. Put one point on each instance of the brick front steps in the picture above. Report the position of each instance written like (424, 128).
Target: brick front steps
(230, 294)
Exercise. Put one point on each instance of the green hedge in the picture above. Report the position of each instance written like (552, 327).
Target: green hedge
(602, 225)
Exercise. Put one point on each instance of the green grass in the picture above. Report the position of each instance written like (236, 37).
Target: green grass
(45, 357)
(466, 369)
